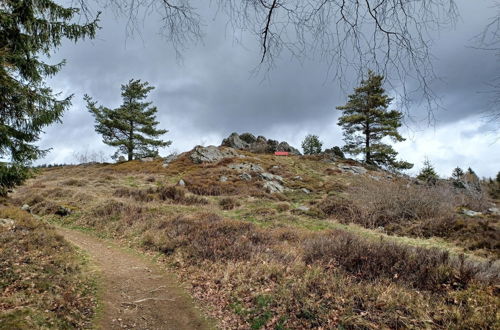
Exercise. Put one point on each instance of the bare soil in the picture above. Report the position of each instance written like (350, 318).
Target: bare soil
(135, 293)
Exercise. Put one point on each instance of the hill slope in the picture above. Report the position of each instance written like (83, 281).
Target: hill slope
(292, 242)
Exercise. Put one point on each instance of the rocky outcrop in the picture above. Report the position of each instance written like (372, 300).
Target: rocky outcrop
(170, 158)
(211, 154)
(273, 187)
(260, 144)
(7, 223)
(335, 152)
(353, 169)
(245, 167)
(271, 177)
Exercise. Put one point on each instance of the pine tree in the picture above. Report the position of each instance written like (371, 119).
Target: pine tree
(132, 126)
(311, 145)
(428, 173)
(457, 173)
(366, 121)
(29, 32)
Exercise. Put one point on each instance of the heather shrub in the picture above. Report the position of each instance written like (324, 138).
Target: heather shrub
(428, 269)
(229, 203)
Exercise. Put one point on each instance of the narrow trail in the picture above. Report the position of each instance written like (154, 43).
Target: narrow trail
(135, 293)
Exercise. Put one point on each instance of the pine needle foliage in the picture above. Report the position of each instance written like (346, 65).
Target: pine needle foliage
(132, 126)
(311, 145)
(29, 31)
(428, 173)
(366, 121)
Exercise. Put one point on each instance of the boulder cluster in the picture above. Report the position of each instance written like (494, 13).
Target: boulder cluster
(258, 145)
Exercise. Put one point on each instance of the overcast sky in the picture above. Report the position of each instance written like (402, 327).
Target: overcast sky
(214, 91)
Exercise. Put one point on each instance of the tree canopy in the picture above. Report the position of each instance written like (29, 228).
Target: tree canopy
(366, 121)
(132, 126)
(29, 31)
(311, 145)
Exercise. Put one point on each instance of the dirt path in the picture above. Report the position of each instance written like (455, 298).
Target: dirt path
(136, 294)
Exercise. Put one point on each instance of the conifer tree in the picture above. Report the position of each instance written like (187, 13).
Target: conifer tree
(132, 126)
(29, 32)
(311, 145)
(428, 173)
(457, 173)
(366, 121)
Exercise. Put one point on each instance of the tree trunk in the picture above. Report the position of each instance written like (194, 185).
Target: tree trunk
(367, 142)
(130, 147)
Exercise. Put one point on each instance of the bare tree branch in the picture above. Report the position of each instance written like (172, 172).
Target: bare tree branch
(391, 37)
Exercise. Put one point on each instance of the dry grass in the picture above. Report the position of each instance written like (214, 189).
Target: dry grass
(284, 276)
(40, 278)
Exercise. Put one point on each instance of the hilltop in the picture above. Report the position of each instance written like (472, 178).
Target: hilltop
(267, 241)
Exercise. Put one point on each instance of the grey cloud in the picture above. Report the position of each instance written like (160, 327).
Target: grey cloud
(214, 91)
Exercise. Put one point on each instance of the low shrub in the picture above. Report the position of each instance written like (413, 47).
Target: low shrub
(41, 277)
(229, 203)
(426, 269)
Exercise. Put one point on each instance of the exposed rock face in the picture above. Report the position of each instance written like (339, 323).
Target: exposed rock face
(471, 213)
(170, 158)
(211, 154)
(247, 141)
(353, 169)
(273, 187)
(7, 223)
(245, 167)
(271, 177)
(494, 210)
(246, 176)
(335, 151)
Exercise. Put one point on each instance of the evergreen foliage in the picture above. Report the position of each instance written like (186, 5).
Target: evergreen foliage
(29, 31)
(428, 173)
(311, 145)
(366, 121)
(131, 127)
(457, 173)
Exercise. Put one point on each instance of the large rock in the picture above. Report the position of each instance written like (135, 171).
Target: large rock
(249, 142)
(7, 223)
(234, 141)
(273, 187)
(211, 154)
(270, 177)
(245, 167)
(353, 169)
(170, 158)
(335, 152)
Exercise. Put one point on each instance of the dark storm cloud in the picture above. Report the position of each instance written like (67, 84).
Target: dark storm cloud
(214, 89)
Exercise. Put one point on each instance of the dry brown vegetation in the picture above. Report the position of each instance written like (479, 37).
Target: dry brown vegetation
(259, 262)
(418, 211)
(41, 281)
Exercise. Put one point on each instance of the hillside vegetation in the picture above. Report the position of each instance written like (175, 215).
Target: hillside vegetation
(44, 282)
(334, 248)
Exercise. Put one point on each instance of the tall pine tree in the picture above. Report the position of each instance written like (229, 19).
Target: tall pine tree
(366, 121)
(132, 126)
(29, 31)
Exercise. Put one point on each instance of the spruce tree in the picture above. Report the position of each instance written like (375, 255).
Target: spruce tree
(428, 173)
(457, 173)
(132, 126)
(29, 32)
(311, 145)
(366, 121)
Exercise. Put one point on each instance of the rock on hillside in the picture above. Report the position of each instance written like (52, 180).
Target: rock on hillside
(260, 144)
(211, 154)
